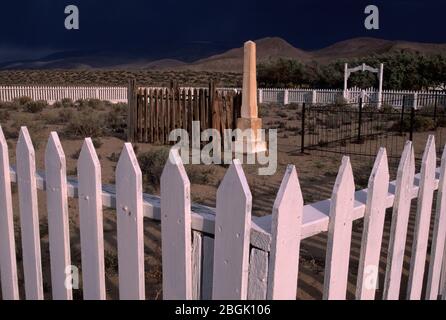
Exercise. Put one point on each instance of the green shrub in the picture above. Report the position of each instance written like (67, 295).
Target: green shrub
(420, 124)
(13, 106)
(97, 142)
(152, 164)
(35, 106)
(23, 100)
(83, 125)
(4, 115)
(67, 103)
(95, 104)
(116, 120)
(65, 115)
(199, 175)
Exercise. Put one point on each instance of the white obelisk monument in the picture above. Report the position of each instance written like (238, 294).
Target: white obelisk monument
(249, 122)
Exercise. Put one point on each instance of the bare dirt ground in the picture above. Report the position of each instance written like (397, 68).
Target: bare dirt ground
(317, 173)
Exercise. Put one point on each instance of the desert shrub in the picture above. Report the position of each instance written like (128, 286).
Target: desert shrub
(263, 111)
(35, 106)
(97, 142)
(67, 103)
(13, 106)
(76, 154)
(114, 157)
(10, 134)
(23, 100)
(386, 108)
(420, 124)
(282, 114)
(199, 175)
(332, 121)
(340, 101)
(423, 124)
(4, 115)
(95, 104)
(49, 118)
(84, 124)
(152, 164)
(116, 120)
(65, 115)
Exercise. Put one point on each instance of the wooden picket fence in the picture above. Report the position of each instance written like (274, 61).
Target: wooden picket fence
(221, 253)
(155, 112)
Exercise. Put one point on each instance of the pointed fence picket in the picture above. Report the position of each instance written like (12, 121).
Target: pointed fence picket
(339, 234)
(91, 224)
(223, 253)
(8, 262)
(232, 226)
(29, 216)
(422, 221)
(286, 234)
(58, 229)
(176, 229)
(130, 226)
(400, 220)
(438, 238)
(375, 212)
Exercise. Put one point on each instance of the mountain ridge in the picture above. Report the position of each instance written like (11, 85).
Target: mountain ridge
(218, 59)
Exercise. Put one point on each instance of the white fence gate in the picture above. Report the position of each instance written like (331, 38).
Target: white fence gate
(221, 253)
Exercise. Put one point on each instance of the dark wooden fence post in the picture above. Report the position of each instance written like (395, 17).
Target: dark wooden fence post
(435, 108)
(402, 115)
(412, 119)
(359, 120)
(302, 135)
(132, 107)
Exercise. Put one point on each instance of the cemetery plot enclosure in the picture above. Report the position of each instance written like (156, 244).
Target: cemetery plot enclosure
(155, 112)
(361, 131)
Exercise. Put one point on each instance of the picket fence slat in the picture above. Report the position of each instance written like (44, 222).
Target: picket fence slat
(438, 238)
(286, 235)
(176, 229)
(29, 216)
(422, 221)
(400, 219)
(91, 223)
(373, 228)
(258, 274)
(8, 262)
(232, 235)
(339, 234)
(130, 226)
(58, 228)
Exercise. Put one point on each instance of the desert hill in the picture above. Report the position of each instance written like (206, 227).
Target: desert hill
(199, 58)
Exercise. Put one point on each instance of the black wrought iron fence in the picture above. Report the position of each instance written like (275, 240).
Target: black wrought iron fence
(360, 130)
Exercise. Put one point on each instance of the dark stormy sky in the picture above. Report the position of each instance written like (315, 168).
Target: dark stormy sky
(32, 28)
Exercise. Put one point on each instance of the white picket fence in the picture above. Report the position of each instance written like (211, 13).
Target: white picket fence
(393, 98)
(221, 253)
(265, 95)
(53, 94)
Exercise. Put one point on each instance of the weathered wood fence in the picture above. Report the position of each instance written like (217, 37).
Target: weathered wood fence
(155, 112)
(221, 253)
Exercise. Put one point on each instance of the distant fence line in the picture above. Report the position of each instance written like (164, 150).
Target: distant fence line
(265, 95)
(52, 94)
